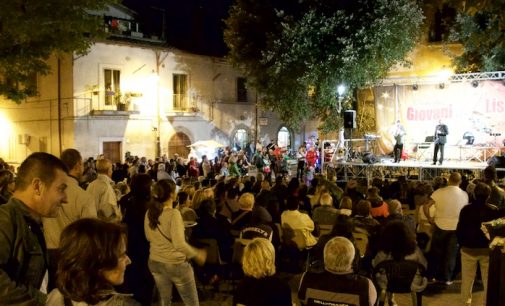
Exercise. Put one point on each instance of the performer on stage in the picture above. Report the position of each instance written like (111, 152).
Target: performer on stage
(399, 133)
(441, 132)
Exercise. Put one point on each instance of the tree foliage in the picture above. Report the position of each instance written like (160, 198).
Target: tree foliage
(480, 28)
(296, 53)
(32, 30)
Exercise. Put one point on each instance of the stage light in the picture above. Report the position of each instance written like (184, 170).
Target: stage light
(441, 85)
(475, 84)
(415, 87)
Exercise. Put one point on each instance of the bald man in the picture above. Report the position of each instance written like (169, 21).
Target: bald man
(448, 202)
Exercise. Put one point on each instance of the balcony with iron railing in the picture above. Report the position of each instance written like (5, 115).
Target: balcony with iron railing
(108, 103)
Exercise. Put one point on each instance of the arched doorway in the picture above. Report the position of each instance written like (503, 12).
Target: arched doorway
(178, 144)
(240, 139)
(284, 138)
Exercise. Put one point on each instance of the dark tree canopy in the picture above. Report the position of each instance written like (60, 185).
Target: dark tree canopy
(296, 53)
(32, 30)
(480, 28)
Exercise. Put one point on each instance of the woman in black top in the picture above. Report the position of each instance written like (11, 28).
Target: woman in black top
(474, 244)
(260, 287)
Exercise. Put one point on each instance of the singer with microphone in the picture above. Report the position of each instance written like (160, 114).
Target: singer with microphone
(441, 132)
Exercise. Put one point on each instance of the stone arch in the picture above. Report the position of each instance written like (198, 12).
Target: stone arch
(241, 135)
(178, 144)
(285, 137)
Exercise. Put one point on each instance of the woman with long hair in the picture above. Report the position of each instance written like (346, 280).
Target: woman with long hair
(92, 260)
(170, 254)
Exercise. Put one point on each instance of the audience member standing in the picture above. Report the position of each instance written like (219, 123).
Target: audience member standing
(80, 205)
(138, 278)
(169, 253)
(473, 242)
(102, 192)
(448, 202)
(40, 191)
(162, 174)
(497, 196)
(300, 156)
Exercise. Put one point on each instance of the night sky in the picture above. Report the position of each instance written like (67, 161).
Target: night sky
(191, 25)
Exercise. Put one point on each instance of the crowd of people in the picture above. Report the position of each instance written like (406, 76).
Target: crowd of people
(126, 234)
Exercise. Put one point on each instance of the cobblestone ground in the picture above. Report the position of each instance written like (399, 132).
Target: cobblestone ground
(434, 295)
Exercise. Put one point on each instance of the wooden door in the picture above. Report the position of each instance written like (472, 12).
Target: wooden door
(112, 151)
(179, 144)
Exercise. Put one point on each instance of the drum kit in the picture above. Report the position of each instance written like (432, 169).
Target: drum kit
(480, 132)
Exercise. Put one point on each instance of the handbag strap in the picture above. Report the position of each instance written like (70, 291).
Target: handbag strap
(162, 234)
(239, 217)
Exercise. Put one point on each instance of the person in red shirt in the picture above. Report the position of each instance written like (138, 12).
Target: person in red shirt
(193, 167)
(311, 157)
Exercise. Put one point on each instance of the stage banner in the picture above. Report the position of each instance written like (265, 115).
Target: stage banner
(471, 111)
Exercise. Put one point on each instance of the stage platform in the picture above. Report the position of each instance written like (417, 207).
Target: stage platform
(411, 169)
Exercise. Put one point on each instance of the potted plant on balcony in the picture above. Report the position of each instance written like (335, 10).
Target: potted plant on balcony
(121, 101)
(124, 100)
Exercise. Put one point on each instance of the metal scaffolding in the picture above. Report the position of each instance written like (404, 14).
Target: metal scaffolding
(436, 79)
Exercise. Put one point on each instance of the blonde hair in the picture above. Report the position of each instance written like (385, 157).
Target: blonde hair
(338, 255)
(246, 201)
(395, 206)
(258, 260)
(198, 198)
(103, 165)
(190, 190)
(326, 199)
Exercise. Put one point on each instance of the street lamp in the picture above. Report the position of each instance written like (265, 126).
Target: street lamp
(340, 91)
